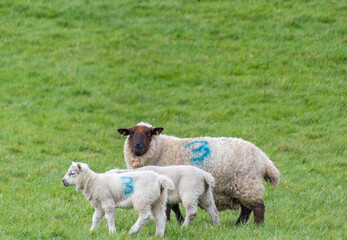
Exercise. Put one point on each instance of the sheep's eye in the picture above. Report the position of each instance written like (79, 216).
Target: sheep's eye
(131, 133)
(71, 174)
(149, 134)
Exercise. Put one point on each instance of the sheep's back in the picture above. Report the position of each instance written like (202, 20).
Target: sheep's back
(219, 156)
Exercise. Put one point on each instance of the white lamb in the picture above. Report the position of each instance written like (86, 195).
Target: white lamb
(145, 191)
(192, 186)
(238, 166)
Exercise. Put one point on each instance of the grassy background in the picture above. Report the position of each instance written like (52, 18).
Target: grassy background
(271, 72)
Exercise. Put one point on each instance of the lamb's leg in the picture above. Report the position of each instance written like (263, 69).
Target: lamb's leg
(109, 215)
(158, 211)
(179, 217)
(244, 215)
(144, 217)
(207, 203)
(259, 211)
(191, 210)
(97, 217)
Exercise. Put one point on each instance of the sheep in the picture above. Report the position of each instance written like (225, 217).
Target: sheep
(145, 191)
(238, 166)
(192, 186)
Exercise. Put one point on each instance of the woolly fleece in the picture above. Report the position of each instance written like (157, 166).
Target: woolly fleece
(238, 166)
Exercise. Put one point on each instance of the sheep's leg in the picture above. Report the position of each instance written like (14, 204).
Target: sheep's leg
(191, 210)
(97, 217)
(259, 211)
(168, 210)
(244, 215)
(158, 211)
(176, 209)
(207, 203)
(144, 217)
(212, 210)
(109, 215)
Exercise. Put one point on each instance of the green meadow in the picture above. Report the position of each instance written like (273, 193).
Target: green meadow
(271, 72)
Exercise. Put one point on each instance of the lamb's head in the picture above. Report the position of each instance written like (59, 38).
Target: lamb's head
(140, 137)
(74, 172)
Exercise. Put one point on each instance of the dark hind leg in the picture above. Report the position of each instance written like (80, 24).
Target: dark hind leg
(244, 215)
(168, 210)
(259, 211)
(176, 209)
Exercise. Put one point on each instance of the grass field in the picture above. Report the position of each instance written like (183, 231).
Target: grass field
(271, 72)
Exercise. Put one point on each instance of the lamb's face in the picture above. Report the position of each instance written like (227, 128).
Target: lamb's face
(71, 176)
(140, 137)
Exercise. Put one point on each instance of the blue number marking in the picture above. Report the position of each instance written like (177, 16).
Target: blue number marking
(127, 182)
(200, 153)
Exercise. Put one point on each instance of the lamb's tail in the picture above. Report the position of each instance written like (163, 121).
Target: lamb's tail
(166, 182)
(271, 172)
(209, 179)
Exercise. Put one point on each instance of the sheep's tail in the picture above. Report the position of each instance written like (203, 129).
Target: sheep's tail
(209, 179)
(271, 172)
(166, 182)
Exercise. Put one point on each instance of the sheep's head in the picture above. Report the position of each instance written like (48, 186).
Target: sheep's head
(140, 137)
(70, 178)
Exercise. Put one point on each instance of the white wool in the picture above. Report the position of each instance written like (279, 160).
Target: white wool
(145, 191)
(193, 186)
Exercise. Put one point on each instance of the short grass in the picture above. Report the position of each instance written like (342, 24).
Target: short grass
(271, 72)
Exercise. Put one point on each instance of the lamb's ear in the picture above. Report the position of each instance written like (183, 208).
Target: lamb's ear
(79, 167)
(157, 131)
(124, 131)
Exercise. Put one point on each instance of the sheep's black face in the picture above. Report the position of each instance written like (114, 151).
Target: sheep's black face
(139, 144)
(140, 137)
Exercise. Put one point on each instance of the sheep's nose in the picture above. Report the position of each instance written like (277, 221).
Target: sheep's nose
(138, 145)
(65, 183)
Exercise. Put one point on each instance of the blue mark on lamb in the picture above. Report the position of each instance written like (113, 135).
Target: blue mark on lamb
(201, 151)
(128, 184)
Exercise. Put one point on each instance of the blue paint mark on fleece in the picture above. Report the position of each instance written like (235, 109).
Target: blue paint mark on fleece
(128, 184)
(200, 152)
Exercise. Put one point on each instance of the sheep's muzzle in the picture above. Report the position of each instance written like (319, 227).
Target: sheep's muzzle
(66, 184)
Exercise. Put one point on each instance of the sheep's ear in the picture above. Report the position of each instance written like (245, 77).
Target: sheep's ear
(124, 131)
(157, 131)
(79, 167)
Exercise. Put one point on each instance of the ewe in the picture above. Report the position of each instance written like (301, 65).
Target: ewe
(238, 166)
